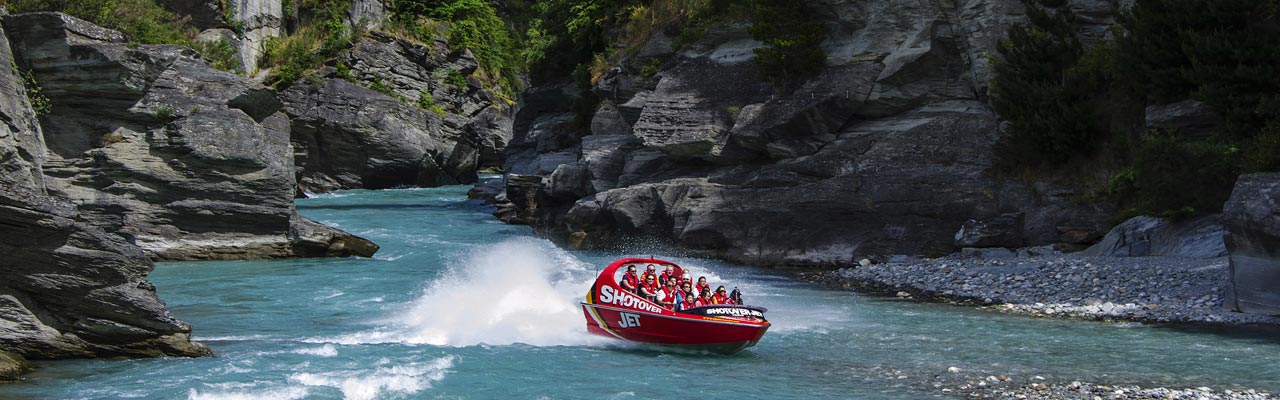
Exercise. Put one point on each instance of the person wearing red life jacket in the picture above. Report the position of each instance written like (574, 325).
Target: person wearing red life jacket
(686, 297)
(704, 299)
(668, 294)
(666, 275)
(630, 281)
(649, 289)
(648, 271)
(702, 285)
(721, 296)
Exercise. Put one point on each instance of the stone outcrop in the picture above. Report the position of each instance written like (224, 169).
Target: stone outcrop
(148, 142)
(247, 24)
(69, 289)
(427, 129)
(887, 150)
(1199, 237)
(1252, 219)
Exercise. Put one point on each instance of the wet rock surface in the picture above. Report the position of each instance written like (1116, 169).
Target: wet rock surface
(1147, 289)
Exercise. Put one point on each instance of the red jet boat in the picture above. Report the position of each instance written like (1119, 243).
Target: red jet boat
(614, 312)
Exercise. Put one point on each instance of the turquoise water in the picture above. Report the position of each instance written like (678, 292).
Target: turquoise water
(457, 305)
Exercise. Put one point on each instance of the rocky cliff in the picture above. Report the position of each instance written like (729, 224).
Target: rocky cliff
(417, 130)
(887, 150)
(183, 160)
(1252, 219)
(69, 289)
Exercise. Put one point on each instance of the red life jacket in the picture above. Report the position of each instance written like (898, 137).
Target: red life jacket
(632, 279)
(703, 302)
(689, 301)
(719, 298)
(706, 287)
(648, 288)
(664, 277)
(669, 296)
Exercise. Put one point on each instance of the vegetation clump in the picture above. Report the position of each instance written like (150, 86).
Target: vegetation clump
(1068, 105)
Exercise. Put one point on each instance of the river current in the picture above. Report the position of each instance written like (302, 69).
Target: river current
(457, 305)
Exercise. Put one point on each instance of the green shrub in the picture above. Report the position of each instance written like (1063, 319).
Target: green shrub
(141, 21)
(428, 102)
(651, 69)
(164, 114)
(221, 54)
(1172, 179)
(40, 103)
(1039, 88)
(792, 40)
(455, 78)
(473, 25)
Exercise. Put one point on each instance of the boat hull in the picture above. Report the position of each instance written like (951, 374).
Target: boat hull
(713, 334)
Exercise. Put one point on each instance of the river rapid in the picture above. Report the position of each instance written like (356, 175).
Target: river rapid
(458, 306)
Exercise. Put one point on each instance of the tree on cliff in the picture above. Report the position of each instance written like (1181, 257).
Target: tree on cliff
(1037, 90)
(792, 40)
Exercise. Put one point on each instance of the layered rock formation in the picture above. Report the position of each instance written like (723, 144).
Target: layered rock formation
(1200, 237)
(423, 131)
(69, 289)
(183, 160)
(887, 150)
(1252, 219)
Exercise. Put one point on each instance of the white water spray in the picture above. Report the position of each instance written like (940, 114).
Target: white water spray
(517, 291)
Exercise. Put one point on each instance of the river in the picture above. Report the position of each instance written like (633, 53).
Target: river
(459, 305)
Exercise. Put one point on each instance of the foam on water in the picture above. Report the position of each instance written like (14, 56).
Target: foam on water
(518, 291)
(384, 381)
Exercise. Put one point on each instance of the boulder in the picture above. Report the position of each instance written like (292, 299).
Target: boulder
(149, 142)
(313, 239)
(1004, 230)
(12, 365)
(1200, 237)
(346, 136)
(1189, 118)
(1252, 219)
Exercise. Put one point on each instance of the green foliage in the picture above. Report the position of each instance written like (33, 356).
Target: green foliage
(792, 40)
(428, 102)
(229, 16)
(1044, 90)
(142, 21)
(1220, 52)
(35, 94)
(1173, 179)
(455, 79)
(164, 114)
(221, 54)
(305, 50)
(343, 71)
(472, 25)
(651, 69)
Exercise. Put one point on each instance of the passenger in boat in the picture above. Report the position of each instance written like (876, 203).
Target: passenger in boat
(667, 274)
(668, 295)
(703, 286)
(649, 289)
(721, 296)
(704, 299)
(649, 271)
(735, 297)
(630, 281)
(686, 297)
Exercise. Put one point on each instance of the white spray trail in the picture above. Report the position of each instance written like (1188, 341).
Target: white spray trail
(517, 291)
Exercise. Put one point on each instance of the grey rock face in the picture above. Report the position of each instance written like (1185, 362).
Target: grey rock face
(411, 71)
(887, 150)
(1189, 118)
(12, 365)
(1149, 236)
(149, 142)
(346, 136)
(1252, 219)
(1004, 230)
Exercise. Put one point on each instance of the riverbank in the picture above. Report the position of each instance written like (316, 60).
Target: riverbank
(1143, 289)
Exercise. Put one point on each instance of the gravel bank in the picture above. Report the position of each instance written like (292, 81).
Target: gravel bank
(1145, 289)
